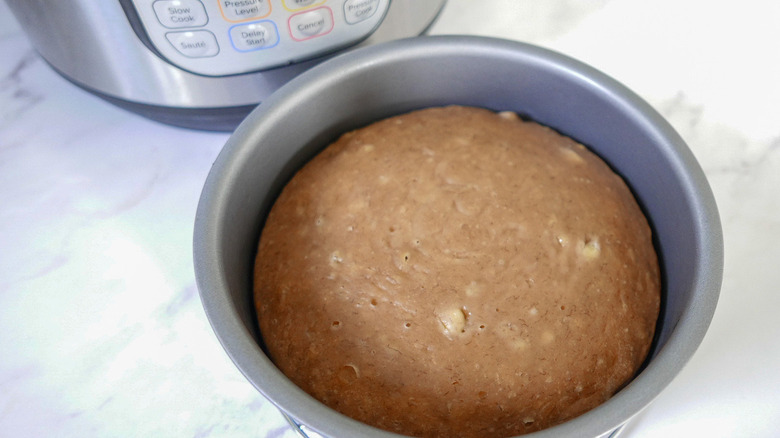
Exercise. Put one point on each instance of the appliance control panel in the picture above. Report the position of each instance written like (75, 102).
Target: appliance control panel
(228, 37)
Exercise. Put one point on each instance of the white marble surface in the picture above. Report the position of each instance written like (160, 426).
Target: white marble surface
(101, 330)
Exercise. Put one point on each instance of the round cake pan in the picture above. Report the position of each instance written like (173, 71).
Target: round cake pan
(358, 88)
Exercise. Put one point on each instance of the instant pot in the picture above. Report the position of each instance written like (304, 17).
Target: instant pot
(205, 64)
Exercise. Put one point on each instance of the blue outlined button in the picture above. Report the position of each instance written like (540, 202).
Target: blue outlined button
(257, 35)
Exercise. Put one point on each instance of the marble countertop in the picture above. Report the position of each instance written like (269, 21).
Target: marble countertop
(102, 333)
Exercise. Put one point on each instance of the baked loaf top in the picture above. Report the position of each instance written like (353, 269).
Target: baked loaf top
(457, 272)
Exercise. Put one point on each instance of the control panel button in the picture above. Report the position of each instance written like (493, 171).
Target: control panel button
(293, 5)
(254, 36)
(229, 37)
(194, 44)
(356, 11)
(180, 13)
(310, 24)
(243, 10)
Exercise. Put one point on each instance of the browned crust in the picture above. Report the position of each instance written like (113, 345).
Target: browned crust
(454, 272)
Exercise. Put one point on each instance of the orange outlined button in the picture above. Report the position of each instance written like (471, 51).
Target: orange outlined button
(244, 10)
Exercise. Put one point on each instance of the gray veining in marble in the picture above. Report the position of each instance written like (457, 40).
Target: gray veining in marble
(101, 330)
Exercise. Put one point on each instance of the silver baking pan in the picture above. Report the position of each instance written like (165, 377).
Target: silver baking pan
(357, 88)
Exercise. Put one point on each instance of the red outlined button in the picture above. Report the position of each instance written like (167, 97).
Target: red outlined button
(311, 24)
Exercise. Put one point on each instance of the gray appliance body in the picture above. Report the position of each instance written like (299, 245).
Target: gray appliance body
(116, 49)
